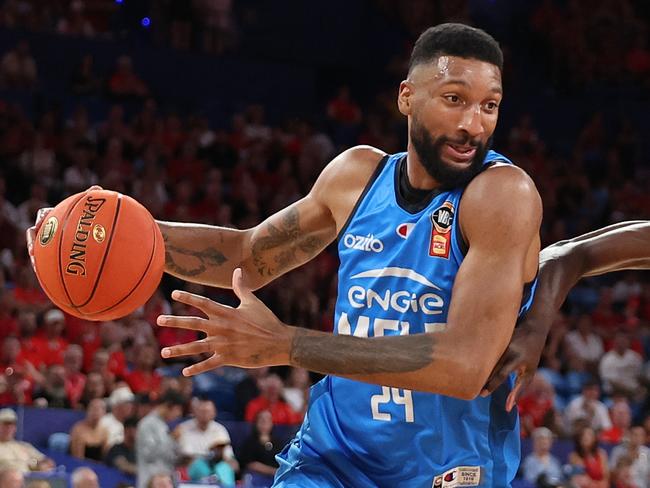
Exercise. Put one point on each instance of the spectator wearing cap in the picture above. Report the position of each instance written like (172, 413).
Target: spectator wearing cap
(541, 465)
(214, 466)
(155, 448)
(15, 454)
(49, 345)
(121, 403)
(197, 436)
(588, 408)
(634, 449)
(122, 455)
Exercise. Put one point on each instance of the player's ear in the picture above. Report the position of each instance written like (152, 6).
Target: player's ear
(404, 97)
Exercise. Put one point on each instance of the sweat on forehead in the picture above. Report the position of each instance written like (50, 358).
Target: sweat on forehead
(452, 68)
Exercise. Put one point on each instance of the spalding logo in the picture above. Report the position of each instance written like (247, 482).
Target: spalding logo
(77, 258)
(48, 230)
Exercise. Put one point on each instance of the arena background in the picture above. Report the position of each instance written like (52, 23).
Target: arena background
(223, 112)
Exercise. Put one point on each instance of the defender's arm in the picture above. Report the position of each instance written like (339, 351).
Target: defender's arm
(622, 246)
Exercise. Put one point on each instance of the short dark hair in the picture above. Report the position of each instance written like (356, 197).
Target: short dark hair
(172, 397)
(456, 40)
(131, 422)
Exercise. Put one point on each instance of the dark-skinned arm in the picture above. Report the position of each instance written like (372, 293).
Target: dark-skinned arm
(622, 246)
(503, 242)
(209, 254)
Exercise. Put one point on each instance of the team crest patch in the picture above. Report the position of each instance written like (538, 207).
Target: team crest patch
(458, 477)
(442, 219)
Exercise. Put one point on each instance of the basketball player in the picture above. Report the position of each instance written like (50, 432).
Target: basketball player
(439, 254)
(445, 277)
(621, 246)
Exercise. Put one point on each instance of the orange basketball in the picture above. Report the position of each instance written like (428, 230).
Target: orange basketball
(99, 255)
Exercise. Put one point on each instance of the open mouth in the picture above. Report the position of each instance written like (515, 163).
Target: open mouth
(460, 152)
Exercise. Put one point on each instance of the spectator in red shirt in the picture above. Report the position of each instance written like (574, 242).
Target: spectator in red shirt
(8, 322)
(124, 82)
(144, 378)
(49, 345)
(75, 380)
(536, 407)
(270, 399)
(621, 416)
(26, 331)
(18, 376)
(100, 366)
(343, 109)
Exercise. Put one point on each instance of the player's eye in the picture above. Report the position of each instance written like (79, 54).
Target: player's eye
(491, 106)
(454, 99)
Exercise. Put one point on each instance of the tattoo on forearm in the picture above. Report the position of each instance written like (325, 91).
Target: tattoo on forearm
(348, 355)
(206, 258)
(288, 239)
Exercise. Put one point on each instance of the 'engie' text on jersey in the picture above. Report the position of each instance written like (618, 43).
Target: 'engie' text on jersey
(389, 308)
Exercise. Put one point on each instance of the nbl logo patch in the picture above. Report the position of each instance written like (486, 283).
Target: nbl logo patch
(442, 219)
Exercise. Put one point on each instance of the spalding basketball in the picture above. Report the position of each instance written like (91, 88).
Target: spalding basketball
(99, 255)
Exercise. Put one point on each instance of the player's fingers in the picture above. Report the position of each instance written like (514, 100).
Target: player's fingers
(197, 347)
(41, 213)
(30, 235)
(191, 323)
(523, 379)
(212, 362)
(94, 187)
(501, 371)
(204, 304)
(242, 291)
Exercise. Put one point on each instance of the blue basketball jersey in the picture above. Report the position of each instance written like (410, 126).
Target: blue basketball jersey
(396, 275)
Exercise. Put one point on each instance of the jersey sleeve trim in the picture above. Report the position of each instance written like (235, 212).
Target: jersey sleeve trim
(373, 177)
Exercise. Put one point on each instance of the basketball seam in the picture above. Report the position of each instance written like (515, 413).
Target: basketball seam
(144, 273)
(108, 247)
(59, 261)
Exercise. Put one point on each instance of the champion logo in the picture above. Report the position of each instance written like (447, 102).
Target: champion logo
(403, 230)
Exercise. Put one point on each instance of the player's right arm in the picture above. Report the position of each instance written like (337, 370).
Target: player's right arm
(209, 255)
(618, 247)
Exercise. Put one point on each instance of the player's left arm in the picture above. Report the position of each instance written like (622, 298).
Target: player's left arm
(455, 360)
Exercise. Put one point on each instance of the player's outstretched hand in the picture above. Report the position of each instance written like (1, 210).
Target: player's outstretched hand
(248, 336)
(522, 356)
(30, 233)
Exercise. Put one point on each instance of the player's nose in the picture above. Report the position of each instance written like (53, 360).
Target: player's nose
(471, 122)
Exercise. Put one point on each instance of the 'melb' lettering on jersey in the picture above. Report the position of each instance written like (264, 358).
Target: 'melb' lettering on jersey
(77, 263)
(442, 219)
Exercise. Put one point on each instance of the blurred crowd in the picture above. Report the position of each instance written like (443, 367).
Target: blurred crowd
(206, 25)
(593, 382)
